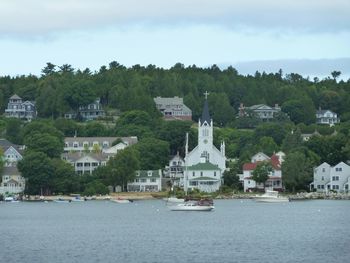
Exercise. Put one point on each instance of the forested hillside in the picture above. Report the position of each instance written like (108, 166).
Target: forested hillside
(127, 93)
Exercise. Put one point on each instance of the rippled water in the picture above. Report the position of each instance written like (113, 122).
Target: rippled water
(146, 231)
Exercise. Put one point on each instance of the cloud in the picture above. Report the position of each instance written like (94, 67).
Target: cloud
(42, 17)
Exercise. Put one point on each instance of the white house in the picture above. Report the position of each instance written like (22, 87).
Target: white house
(86, 163)
(334, 178)
(326, 117)
(261, 111)
(12, 181)
(275, 177)
(146, 181)
(205, 164)
(103, 144)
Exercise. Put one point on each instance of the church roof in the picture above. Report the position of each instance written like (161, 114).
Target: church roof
(205, 113)
(204, 167)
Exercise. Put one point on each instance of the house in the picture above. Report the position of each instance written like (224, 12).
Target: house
(109, 145)
(12, 181)
(176, 167)
(326, 117)
(86, 163)
(173, 108)
(88, 112)
(261, 111)
(146, 181)
(336, 178)
(205, 164)
(275, 177)
(16, 108)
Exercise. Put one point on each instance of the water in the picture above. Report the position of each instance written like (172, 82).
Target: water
(146, 231)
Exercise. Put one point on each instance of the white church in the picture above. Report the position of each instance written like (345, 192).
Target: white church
(205, 164)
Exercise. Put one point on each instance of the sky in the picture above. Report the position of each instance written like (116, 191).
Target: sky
(311, 37)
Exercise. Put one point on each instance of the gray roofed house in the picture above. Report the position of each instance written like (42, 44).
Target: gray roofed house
(146, 181)
(262, 111)
(88, 112)
(173, 108)
(105, 144)
(326, 117)
(16, 108)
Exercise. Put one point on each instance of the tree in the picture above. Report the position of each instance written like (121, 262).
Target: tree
(335, 74)
(44, 142)
(231, 178)
(122, 168)
(153, 153)
(292, 140)
(300, 110)
(37, 169)
(13, 128)
(297, 171)
(267, 145)
(261, 172)
(49, 69)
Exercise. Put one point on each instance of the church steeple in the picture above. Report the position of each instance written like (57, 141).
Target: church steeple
(205, 114)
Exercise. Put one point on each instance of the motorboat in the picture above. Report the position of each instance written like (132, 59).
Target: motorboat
(11, 199)
(121, 201)
(191, 206)
(77, 198)
(61, 200)
(271, 196)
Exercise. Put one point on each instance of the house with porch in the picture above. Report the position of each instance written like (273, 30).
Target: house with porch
(146, 181)
(261, 111)
(335, 178)
(17, 108)
(109, 145)
(88, 112)
(175, 170)
(12, 180)
(275, 177)
(327, 117)
(173, 108)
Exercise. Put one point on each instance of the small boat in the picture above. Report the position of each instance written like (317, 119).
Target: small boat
(10, 199)
(121, 200)
(191, 206)
(61, 200)
(77, 198)
(271, 196)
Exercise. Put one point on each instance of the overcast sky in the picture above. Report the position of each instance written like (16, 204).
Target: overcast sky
(251, 35)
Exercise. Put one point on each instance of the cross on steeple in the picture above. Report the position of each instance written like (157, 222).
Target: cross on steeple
(206, 93)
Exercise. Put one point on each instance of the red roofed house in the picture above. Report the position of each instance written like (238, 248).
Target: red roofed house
(275, 178)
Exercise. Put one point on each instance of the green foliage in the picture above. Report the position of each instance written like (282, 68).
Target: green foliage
(44, 142)
(231, 179)
(261, 172)
(13, 130)
(95, 187)
(121, 168)
(297, 170)
(153, 153)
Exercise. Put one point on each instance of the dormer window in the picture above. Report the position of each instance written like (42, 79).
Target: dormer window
(75, 144)
(149, 173)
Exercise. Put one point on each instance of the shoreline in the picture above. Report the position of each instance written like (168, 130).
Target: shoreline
(159, 195)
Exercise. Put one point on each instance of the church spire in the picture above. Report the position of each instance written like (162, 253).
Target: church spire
(205, 113)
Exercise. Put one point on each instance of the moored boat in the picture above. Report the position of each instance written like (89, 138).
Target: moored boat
(121, 200)
(271, 196)
(191, 206)
(173, 199)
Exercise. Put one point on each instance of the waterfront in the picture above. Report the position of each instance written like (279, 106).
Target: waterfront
(146, 231)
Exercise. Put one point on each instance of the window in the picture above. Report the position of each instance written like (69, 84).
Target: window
(143, 180)
(75, 144)
(335, 178)
(338, 169)
(193, 174)
(322, 186)
(323, 170)
(149, 173)
(214, 173)
(322, 179)
(153, 180)
(136, 180)
(201, 173)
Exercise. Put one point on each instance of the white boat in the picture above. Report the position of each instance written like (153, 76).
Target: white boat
(61, 200)
(191, 206)
(11, 199)
(271, 196)
(121, 201)
(174, 200)
(77, 199)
